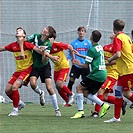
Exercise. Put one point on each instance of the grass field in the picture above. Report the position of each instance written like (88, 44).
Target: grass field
(36, 119)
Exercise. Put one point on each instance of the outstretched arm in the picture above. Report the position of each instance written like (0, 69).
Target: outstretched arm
(46, 55)
(2, 49)
(76, 61)
(80, 55)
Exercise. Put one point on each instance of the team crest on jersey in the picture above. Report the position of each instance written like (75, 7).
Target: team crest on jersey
(55, 49)
(85, 43)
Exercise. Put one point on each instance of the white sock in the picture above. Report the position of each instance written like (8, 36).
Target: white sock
(37, 90)
(16, 109)
(80, 99)
(95, 99)
(20, 101)
(54, 101)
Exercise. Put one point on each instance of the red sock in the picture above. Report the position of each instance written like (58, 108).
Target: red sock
(66, 90)
(15, 98)
(131, 98)
(111, 99)
(117, 107)
(63, 95)
(98, 107)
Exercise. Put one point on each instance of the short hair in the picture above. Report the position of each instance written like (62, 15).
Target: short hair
(52, 32)
(80, 28)
(118, 24)
(21, 29)
(96, 35)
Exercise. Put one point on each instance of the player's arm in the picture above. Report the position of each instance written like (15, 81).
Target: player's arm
(2, 49)
(71, 52)
(46, 55)
(114, 57)
(80, 55)
(38, 50)
(21, 45)
(76, 61)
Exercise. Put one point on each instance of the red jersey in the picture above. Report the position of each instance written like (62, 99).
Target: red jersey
(20, 63)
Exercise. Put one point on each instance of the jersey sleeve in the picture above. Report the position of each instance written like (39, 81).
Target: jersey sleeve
(89, 57)
(29, 45)
(31, 38)
(9, 47)
(63, 45)
(117, 45)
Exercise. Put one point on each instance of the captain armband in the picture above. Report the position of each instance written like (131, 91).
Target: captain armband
(88, 59)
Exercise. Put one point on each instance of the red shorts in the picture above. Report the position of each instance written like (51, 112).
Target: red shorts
(23, 76)
(126, 81)
(108, 85)
(61, 75)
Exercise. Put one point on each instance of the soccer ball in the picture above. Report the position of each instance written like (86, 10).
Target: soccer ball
(2, 99)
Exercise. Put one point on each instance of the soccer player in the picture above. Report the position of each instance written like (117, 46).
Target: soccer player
(123, 54)
(112, 76)
(23, 68)
(61, 70)
(131, 106)
(43, 70)
(82, 45)
(92, 83)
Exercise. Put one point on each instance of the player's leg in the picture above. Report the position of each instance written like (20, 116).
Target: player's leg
(33, 83)
(53, 97)
(74, 73)
(59, 78)
(79, 98)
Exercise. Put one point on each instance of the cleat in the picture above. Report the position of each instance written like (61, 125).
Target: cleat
(131, 106)
(94, 114)
(113, 120)
(21, 105)
(57, 113)
(67, 105)
(42, 100)
(80, 114)
(124, 104)
(13, 113)
(104, 110)
(71, 99)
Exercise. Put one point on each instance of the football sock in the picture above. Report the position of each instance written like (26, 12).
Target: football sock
(15, 98)
(117, 107)
(79, 100)
(70, 84)
(63, 95)
(98, 107)
(111, 99)
(66, 90)
(54, 101)
(95, 99)
(37, 90)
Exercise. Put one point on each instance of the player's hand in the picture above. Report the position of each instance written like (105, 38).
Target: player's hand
(55, 59)
(75, 52)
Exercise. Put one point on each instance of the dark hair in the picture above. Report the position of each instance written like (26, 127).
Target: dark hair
(96, 35)
(52, 32)
(118, 25)
(21, 29)
(80, 28)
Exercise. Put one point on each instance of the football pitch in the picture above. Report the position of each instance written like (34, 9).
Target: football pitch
(36, 119)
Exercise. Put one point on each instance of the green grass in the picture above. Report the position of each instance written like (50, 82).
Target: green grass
(36, 119)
